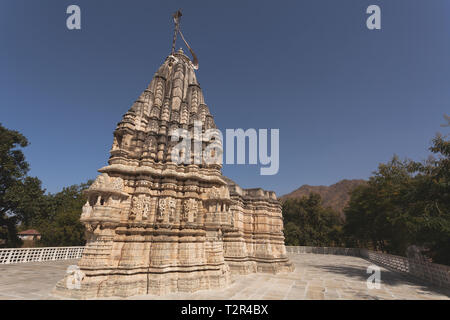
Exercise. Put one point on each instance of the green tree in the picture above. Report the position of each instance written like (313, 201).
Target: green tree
(13, 169)
(60, 226)
(24, 204)
(404, 203)
(29, 200)
(374, 216)
(430, 201)
(308, 223)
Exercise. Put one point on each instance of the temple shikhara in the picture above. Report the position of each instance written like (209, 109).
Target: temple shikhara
(156, 227)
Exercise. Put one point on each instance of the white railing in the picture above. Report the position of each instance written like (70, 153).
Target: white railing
(430, 272)
(324, 250)
(21, 255)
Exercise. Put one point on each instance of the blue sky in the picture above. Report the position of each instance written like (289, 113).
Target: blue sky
(344, 98)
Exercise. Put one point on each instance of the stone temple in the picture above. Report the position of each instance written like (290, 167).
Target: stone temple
(157, 227)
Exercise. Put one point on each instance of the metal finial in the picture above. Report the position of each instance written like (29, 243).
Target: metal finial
(176, 19)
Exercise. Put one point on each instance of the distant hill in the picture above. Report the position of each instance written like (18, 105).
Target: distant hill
(335, 196)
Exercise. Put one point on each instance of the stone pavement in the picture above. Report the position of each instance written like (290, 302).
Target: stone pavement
(33, 280)
(315, 277)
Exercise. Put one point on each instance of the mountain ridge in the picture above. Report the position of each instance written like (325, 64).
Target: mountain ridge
(335, 196)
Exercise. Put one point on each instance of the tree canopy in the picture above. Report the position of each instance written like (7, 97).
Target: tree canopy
(13, 172)
(24, 204)
(61, 224)
(405, 203)
(308, 223)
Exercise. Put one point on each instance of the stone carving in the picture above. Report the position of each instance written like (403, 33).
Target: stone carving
(104, 181)
(219, 193)
(165, 113)
(172, 207)
(161, 208)
(150, 143)
(159, 94)
(115, 145)
(86, 210)
(167, 207)
(190, 210)
(194, 100)
(146, 207)
(100, 182)
(206, 227)
(140, 207)
(184, 114)
(154, 126)
(154, 114)
(117, 184)
(74, 277)
(136, 207)
(214, 194)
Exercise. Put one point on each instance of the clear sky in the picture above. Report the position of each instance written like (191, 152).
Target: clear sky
(344, 98)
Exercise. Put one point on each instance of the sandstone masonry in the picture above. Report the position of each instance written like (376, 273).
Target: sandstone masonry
(156, 227)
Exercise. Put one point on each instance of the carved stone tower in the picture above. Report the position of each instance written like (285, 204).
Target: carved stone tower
(154, 226)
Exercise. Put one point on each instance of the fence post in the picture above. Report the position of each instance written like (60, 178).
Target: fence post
(9, 257)
(26, 255)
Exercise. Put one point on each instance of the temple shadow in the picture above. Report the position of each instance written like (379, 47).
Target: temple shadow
(388, 277)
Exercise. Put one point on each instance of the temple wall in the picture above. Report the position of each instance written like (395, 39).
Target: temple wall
(257, 243)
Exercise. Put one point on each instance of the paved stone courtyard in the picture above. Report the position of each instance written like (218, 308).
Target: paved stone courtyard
(315, 277)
